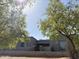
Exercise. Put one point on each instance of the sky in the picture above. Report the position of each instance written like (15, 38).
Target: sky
(33, 16)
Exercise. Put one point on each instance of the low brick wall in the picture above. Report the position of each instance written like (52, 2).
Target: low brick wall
(33, 53)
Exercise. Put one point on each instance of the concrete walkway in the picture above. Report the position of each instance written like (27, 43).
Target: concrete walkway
(6, 57)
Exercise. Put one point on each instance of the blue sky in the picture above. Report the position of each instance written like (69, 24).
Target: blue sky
(34, 14)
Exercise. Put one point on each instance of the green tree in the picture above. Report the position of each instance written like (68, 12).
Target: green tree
(12, 23)
(62, 20)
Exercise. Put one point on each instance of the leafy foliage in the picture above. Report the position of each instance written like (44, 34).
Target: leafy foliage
(62, 20)
(12, 23)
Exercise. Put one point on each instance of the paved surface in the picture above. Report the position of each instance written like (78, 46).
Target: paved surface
(2, 57)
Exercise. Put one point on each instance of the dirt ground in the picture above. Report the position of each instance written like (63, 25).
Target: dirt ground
(2, 57)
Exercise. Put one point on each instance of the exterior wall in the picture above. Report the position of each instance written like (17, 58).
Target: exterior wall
(69, 47)
(18, 46)
(59, 45)
(63, 45)
(46, 48)
(33, 41)
(53, 45)
(28, 46)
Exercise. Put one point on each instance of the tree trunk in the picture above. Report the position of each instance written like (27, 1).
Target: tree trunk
(74, 51)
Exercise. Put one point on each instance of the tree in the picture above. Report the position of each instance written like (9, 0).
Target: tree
(62, 20)
(3, 21)
(12, 23)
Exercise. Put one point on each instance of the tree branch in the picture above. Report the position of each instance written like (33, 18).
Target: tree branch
(74, 52)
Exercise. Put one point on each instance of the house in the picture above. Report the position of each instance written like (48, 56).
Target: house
(28, 46)
(43, 45)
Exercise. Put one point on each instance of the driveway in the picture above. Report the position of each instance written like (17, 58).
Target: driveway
(6, 57)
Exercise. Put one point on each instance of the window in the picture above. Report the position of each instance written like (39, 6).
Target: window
(62, 45)
(22, 44)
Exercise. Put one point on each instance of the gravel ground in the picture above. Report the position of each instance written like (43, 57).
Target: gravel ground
(2, 57)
